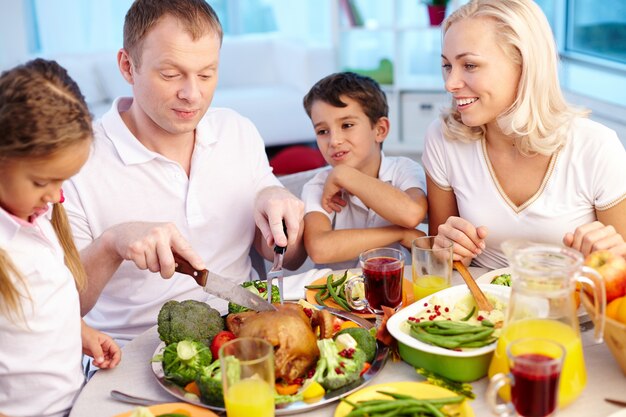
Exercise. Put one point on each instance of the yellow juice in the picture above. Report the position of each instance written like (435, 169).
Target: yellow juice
(250, 397)
(426, 285)
(573, 375)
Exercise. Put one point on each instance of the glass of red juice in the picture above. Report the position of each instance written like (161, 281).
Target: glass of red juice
(382, 277)
(535, 368)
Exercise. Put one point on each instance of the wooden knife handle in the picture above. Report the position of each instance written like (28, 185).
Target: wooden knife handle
(481, 300)
(184, 267)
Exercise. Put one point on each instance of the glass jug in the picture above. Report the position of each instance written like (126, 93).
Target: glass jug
(542, 305)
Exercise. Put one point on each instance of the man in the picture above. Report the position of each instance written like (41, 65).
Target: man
(169, 174)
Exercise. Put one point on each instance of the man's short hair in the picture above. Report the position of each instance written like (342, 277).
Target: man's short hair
(197, 16)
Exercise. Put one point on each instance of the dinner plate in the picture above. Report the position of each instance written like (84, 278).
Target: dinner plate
(407, 292)
(487, 277)
(414, 389)
(173, 407)
(298, 406)
(619, 413)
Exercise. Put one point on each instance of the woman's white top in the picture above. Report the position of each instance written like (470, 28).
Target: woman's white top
(40, 359)
(587, 174)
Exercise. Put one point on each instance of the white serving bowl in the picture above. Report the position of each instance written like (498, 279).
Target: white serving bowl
(467, 365)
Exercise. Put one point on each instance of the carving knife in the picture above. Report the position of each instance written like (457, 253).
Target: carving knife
(222, 287)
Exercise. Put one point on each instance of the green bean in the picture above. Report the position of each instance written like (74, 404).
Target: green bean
(469, 316)
(451, 332)
(343, 304)
(486, 323)
(319, 300)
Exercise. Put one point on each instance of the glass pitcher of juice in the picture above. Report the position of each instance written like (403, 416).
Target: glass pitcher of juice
(542, 305)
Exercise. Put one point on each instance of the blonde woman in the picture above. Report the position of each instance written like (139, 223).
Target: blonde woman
(510, 158)
(45, 138)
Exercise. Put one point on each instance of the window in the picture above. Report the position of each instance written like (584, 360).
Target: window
(598, 32)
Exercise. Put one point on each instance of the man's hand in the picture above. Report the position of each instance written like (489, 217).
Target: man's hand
(273, 205)
(150, 245)
(468, 240)
(101, 347)
(595, 236)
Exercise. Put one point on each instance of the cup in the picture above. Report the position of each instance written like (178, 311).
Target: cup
(432, 267)
(535, 368)
(248, 377)
(382, 276)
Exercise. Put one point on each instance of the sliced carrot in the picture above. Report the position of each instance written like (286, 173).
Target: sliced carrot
(193, 388)
(286, 389)
(366, 367)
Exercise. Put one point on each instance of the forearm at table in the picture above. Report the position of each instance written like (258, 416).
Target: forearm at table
(398, 207)
(342, 245)
(100, 261)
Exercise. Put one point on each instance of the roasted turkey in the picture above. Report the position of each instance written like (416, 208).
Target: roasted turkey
(289, 330)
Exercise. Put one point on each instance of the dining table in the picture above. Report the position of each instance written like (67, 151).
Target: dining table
(134, 376)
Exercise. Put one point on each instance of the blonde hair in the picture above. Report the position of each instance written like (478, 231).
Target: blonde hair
(197, 16)
(539, 118)
(42, 111)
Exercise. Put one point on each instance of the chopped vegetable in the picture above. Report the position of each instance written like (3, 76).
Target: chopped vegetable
(462, 388)
(504, 279)
(188, 320)
(183, 360)
(259, 288)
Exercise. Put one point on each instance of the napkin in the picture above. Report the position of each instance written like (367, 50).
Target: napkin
(293, 285)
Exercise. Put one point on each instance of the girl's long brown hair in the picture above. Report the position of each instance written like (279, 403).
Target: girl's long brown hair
(42, 111)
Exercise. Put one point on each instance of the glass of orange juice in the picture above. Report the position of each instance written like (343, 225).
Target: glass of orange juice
(248, 377)
(431, 266)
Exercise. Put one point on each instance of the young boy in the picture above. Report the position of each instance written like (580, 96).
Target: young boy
(364, 200)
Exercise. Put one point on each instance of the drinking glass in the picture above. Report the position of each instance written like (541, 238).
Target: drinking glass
(248, 377)
(382, 277)
(432, 267)
(535, 368)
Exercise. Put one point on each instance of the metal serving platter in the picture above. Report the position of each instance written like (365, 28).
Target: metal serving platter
(382, 352)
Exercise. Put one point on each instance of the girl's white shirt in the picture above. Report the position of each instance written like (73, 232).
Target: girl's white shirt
(40, 358)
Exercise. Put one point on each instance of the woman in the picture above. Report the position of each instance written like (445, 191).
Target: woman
(510, 158)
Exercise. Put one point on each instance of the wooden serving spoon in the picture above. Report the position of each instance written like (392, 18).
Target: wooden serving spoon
(481, 300)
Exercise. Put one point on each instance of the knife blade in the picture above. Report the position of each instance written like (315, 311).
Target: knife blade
(616, 402)
(221, 287)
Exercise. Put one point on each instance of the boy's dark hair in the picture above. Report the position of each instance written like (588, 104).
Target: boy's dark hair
(197, 16)
(359, 88)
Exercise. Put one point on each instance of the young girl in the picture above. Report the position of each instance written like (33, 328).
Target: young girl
(45, 137)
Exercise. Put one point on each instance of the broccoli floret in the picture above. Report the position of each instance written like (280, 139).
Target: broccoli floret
(259, 288)
(504, 279)
(210, 384)
(337, 369)
(188, 320)
(182, 361)
(364, 340)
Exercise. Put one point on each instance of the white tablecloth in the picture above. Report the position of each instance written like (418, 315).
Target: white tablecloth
(134, 376)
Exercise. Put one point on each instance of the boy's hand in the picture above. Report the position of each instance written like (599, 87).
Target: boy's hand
(105, 352)
(410, 235)
(332, 199)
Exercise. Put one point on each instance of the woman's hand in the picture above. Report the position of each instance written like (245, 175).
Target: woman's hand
(595, 236)
(468, 240)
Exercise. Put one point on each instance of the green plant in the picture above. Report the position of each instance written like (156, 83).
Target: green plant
(435, 2)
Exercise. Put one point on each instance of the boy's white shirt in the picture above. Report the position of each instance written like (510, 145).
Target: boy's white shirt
(40, 365)
(403, 173)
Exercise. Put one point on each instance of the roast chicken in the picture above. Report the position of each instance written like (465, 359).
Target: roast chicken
(291, 333)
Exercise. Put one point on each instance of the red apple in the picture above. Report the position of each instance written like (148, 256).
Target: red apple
(613, 269)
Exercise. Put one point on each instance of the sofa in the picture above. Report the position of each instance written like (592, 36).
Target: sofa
(262, 76)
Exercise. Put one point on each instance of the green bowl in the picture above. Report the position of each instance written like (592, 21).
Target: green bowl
(463, 369)
(464, 366)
